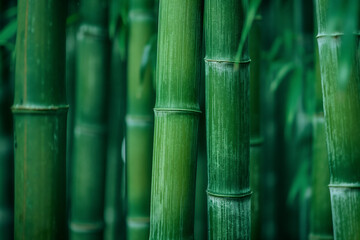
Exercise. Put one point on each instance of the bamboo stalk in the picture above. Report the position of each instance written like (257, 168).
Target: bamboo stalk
(342, 111)
(70, 86)
(176, 120)
(90, 134)
(40, 121)
(321, 221)
(321, 224)
(256, 139)
(6, 154)
(114, 202)
(139, 120)
(227, 119)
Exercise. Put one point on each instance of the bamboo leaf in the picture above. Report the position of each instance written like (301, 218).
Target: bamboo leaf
(254, 5)
(148, 56)
(282, 73)
(275, 49)
(73, 19)
(299, 184)
(8, 32)
(10, 13)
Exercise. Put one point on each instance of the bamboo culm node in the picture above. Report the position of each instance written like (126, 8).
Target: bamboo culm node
(341, 111)
(40, 114)
(227, 121)
(176, 120)
(90, 124)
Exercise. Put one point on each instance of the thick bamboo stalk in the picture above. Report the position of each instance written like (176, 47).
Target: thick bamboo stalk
(176, 120)
(6, 147)
(227, 120)
(114, 202)
(320, 221)
(342, 112)
(90, 132)
(320, 224)
(139, 120)
(40, 121)
(256, 139)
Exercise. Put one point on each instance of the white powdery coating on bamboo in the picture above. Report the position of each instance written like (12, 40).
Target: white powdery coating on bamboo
(229, 218)
(346, 202)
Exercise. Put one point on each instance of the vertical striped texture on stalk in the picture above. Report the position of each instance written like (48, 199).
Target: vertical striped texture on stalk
(227, 120)
(90, 127)
(320, 220)
(6, 146)
(176, 120)
(256, 139)
(342, 113)
(139, 120)
(40, 121)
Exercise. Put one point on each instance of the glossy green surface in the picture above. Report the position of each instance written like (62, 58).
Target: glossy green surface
(176, 120)
(342, 111)
(40, 121)
(227, 120)
(90, 132)
(139, 120)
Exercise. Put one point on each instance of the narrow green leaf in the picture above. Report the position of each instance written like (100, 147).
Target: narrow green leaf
(247, 26)
(146, 58)
(282, 73)
(8, 31)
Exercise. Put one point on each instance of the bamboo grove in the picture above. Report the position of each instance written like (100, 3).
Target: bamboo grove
(179, 119)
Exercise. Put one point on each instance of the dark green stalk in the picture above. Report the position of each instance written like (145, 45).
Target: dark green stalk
(6, 148)
(200, 225)
(139, 120)
(227, 120)
(256, 139)
(40, 121)
(71, 30)
(90, 132)
(176, 120)
(342, 113)
(114, 202)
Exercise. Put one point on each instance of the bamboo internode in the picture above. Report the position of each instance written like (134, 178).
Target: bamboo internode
(176, 120)
(139, 119)
(90, 127)
(40, 121)
(342, 111)
(227, 120)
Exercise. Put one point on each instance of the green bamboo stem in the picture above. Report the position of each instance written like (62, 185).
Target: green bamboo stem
(90, 130)
(200, 224)
(6, 154)
(139, 121)
(256, 139)
(176, 120)
(342, 111)
(320, 221)
(70, 85)
(40, 121)
(114, 214)
(320, 224)
(227, 120)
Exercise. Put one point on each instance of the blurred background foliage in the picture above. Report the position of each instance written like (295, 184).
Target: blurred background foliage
(290, 98)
